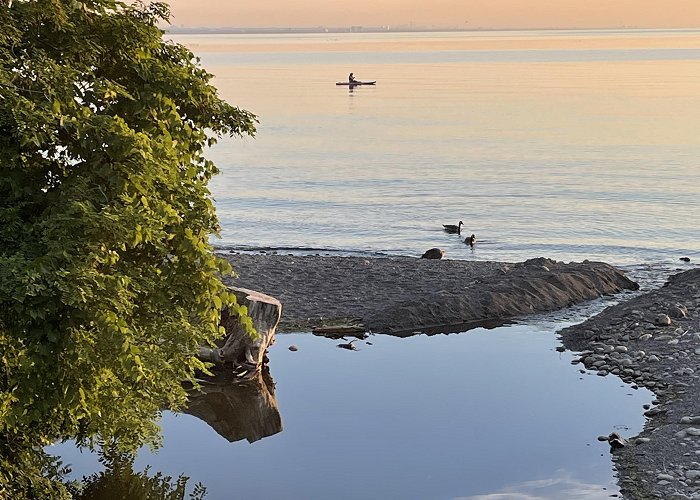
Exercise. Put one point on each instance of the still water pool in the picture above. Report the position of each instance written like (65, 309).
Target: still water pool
(467, 415)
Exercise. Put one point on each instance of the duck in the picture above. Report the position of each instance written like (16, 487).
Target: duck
(452, 229)
(470, 240)
(433, 253)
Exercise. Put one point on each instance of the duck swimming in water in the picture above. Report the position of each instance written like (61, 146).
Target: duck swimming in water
(470, 240)
(452, 229)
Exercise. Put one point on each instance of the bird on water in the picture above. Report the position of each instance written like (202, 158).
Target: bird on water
(433, 253)
(470, 240)
(451, 228)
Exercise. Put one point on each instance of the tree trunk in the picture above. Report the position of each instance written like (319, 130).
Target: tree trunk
(238, 350)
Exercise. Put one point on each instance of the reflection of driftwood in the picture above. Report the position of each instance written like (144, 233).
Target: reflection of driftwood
(245, 410)
(340, 331)
(238, 348)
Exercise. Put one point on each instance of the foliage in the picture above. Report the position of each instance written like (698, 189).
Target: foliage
(119, 482)
(108, 284)
(30, 473)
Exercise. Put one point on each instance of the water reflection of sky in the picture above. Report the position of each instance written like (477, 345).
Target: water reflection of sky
(487, 414)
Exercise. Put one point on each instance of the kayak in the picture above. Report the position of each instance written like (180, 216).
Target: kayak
(352, 84)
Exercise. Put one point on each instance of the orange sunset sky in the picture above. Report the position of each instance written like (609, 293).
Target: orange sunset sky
(439, 13)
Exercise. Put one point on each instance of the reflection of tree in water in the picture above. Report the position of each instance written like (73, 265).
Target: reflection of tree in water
(119, 481)
(236, 410)
(242, 410)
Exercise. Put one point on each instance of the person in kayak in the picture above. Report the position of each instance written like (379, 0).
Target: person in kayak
(351, 78)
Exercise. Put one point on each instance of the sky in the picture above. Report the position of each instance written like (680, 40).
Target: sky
(467, 14)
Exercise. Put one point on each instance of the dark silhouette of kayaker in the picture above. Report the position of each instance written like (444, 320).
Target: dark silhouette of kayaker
(351, 78)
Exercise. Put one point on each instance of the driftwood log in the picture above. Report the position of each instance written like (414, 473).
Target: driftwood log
(238, 350)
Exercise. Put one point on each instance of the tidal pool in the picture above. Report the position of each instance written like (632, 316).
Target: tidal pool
(477, 415)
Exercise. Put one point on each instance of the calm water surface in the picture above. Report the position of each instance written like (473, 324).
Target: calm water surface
(439, 417)
(571, 145)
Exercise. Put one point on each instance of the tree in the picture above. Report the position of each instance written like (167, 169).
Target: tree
(108, 283)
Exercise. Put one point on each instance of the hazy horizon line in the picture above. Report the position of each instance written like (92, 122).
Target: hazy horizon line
(404, 28)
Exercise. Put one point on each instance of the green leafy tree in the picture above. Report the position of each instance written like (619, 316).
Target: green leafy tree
(108, 283)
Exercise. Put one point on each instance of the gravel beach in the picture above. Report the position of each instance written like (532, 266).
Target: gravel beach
(403, 296)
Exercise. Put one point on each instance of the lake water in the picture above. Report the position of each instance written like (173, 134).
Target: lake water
(571, 145)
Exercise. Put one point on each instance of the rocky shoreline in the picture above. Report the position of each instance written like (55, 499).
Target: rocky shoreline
(653, 341)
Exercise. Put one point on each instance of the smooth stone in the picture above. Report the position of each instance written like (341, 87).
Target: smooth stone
(293, 348)
(690, 420)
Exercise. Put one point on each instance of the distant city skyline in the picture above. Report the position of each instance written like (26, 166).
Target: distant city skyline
(454, 14)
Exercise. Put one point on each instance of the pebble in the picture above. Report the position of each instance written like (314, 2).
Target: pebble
(690, 420)
(692, 474)
(293, 348)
